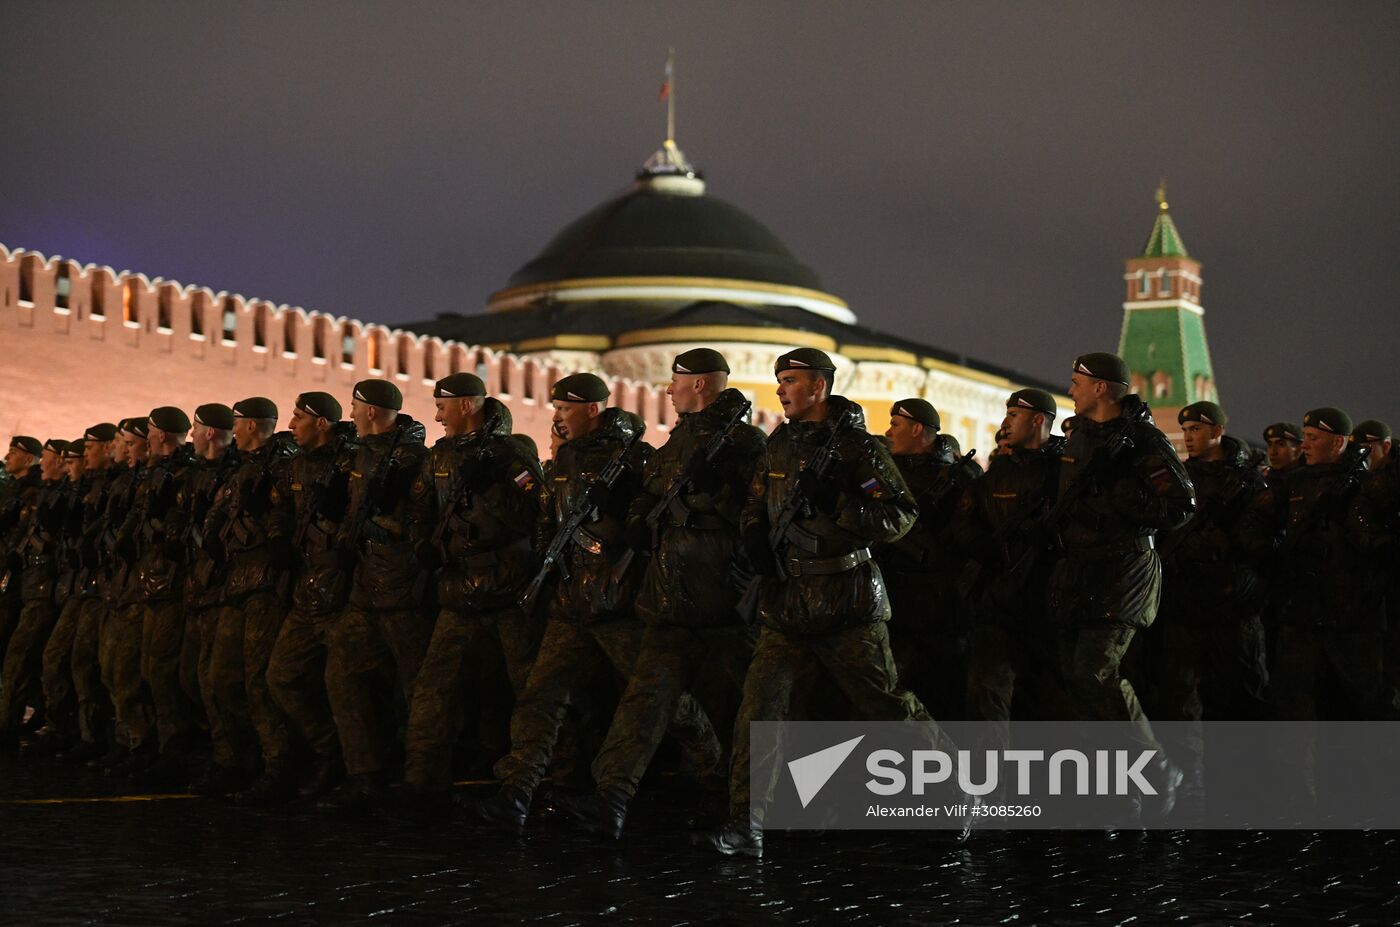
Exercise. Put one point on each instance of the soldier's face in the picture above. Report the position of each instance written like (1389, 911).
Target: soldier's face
(17, 461)
(200, 438)
(799, 391)
(158, 441)
(1379, 451)
(684, 391)
(95, 454)
(1283, 453)
(575, 419)
(454, 415)
(360, 415)
(50, 465)
(74, 467)
(1084, 391)
(1200, 438)
(1020, 427)
(1322, 447)
(906, 436)
(135, 448)
(303, 427)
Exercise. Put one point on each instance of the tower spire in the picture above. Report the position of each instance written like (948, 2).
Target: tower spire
(669, 160)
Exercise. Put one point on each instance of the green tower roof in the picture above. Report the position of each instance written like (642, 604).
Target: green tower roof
(1165, 240)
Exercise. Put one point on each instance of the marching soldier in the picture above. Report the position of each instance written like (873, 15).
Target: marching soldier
(35, 557)
(694, 639)
(823, 603)
(486, 483)
(377, 644)
(1010, 638)
(247, 724)
(928, 617)
(1213, 662)
(589, 628)
(311, 501)
(1124, 484)
(26, 479)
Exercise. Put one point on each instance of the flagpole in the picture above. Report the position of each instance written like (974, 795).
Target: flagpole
(671, 97)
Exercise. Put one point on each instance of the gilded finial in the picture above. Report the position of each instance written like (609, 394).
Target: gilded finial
(1162, 194)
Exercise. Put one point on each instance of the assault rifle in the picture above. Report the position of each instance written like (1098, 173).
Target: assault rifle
(35, 522)
(555, 554)
(670, 502)
(1199, 522)
(1353, 464)
(383, 470)
(784, 527)
(449, 504)
(251, 492)
(319, 489)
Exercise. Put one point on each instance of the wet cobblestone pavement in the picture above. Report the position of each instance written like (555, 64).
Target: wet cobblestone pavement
(178, 860)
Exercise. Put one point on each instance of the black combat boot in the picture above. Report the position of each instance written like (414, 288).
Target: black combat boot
(1166, 778)
(739, 836)
(171, 770)
(507, 809)
(356, 793)
(598, 812)
(324, 775)
(49, 744)
(217, 780)
(275, 786)
(80, 752)
(114, 757)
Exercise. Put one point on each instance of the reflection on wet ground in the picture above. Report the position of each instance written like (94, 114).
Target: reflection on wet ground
(180, 859)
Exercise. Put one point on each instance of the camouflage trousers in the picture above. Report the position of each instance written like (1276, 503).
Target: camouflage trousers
(94, 702)
(22, 670)
(1090, 658)
(245, 723)
(569, 657)
(60, 694)
(462, 646)
(162, 637)
(200, 621)
(120, 657)
(710, 663)
(857, 659)
(1011, 673)
(372, 660)
(296, 679)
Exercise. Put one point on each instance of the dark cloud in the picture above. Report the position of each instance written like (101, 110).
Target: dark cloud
(970, 175)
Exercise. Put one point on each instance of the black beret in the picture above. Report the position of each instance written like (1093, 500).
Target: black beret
(1285, 430)
(920, 410)
(75, 449)
(580, 387)
(1102, 366)
(459, 386)
(1037, 400)
(214, 415)
(804, 359)
(27, 444)
(105, 431)
(1329, 419)
(1207, 413)
(1371, 430)
(171, 419)
(134, 426)
(380, 393)
(58, 446)
(321, 405)
(699, 360)
(255, 407)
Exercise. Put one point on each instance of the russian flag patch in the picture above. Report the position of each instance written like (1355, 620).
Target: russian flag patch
(872, 487)
(525, 480)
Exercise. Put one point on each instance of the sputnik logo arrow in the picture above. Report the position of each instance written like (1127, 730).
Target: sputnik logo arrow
(811, 772)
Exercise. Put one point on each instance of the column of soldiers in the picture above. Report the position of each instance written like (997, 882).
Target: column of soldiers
(339, 612)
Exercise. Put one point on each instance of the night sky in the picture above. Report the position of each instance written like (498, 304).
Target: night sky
(968, 175)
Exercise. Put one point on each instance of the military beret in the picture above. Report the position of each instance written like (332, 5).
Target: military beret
(1328, 419)
(380, 393)
(171, 419)
(1371, 430)
(1207, 413)
(920, 410)
(214, 415)
(459, 386)
(255, 407)
(57, 445)
(1102, 366)
(804, 359)
(580, 387)
(1037, 400)
(104, 431)
(699, 360)
(321, 405)
(1285, 430)
(27, 444)
(75, 449)
(134, 426)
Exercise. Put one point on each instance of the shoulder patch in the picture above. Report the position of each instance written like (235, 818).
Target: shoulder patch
(524, 480)
(874, 488)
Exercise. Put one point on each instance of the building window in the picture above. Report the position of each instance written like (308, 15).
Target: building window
(230, 321)
(1161, 385)
(1144, 288)
(62, 287)
(1164, 284)
(347, 344)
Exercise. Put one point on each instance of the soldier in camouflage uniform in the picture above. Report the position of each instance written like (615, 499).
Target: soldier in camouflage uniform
(377, 644)
(1213, 663)
(1108, 584)
(311, 500)
(36, 554)
(247, 724)
(25, 481)
(590, 627)
(1284, 447)
(486, 485)
(154, 537)
(694, 639)
(91, 704)
(1011, 669)
(928, 616)
(823, 605)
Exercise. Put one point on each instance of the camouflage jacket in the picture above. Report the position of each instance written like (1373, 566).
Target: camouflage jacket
(311, 498)
(154, 534)
(236, 530)
(204, 576)
(394, 499)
